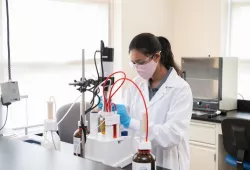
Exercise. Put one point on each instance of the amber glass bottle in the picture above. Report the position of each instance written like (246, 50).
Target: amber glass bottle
(143, 159)
(78, 150)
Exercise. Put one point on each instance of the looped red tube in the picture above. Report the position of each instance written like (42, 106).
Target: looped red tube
(143, 98)
(105, 102)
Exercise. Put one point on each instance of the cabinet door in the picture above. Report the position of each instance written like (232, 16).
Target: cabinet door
(202, 157)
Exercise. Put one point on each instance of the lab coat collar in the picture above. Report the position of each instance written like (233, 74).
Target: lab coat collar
(170, 83)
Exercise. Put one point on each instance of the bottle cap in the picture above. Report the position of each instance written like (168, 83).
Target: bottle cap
(124, 133)
(144, 145)
(50, 125)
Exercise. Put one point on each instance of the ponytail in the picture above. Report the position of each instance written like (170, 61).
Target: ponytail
(167, 56)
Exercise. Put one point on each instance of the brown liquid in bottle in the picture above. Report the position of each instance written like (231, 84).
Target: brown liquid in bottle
(78, 150)
(143, 158)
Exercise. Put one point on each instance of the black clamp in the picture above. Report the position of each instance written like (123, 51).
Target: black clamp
(84, 84)
(240, 159)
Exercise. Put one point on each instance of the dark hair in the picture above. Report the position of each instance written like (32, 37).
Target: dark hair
(149, 44)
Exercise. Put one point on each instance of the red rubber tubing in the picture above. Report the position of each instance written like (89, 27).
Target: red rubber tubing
(143, 98)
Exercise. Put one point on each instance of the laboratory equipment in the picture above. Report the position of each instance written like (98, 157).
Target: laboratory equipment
(143, 159)
(213, 81)
(77, 138)
(107, 61)
(110, 146)
(118, 148)
(10, 92)
(51, 139)
(98, 144)
(85, 84)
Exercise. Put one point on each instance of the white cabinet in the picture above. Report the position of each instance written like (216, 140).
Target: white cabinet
(202, 146)
(203, 132)
(202, 157)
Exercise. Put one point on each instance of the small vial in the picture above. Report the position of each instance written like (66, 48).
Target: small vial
(102, 127)
(114, 131)
(143, 159)
(78, 150)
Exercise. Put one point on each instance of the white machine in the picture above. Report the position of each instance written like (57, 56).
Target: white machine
(213, 81)
(9, 94)
(108, 146)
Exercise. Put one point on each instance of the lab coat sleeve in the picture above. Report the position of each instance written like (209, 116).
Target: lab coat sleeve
(175, 128)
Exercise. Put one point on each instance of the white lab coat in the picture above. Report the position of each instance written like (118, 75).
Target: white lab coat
(170, 112)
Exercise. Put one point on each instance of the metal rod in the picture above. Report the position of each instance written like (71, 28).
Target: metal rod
(83, 102)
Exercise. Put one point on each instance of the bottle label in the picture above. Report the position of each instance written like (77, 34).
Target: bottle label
(77, 145)
(141, 166)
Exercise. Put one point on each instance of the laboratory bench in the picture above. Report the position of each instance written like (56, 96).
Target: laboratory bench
(206, 141)
(18, 155)
(220, 118)
(206, 150)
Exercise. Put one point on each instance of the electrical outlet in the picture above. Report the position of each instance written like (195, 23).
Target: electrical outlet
(10, 92)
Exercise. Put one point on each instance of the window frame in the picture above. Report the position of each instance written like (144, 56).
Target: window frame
(3, 61)
(235, 4)
(87, 61)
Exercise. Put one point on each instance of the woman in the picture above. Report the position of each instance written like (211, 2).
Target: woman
(169, 101)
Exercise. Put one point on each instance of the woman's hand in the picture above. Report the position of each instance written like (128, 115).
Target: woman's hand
(124, 117)
(121, 110)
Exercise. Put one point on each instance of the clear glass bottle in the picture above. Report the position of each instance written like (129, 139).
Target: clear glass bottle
(51, 139)
(143, 159)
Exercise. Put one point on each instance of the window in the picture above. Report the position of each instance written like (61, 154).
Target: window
(240, 40)
(240, 34)
(47, 38)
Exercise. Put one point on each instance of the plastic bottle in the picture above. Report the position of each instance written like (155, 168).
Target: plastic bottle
(51, 139)
(143, 159)
(77, 139)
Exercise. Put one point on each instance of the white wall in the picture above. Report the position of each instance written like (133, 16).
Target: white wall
(136, 16)
(194, 27)
(200, 28)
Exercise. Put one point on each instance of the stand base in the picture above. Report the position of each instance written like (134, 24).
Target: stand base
(115, 152)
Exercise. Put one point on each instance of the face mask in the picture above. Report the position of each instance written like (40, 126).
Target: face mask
(146, 71)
